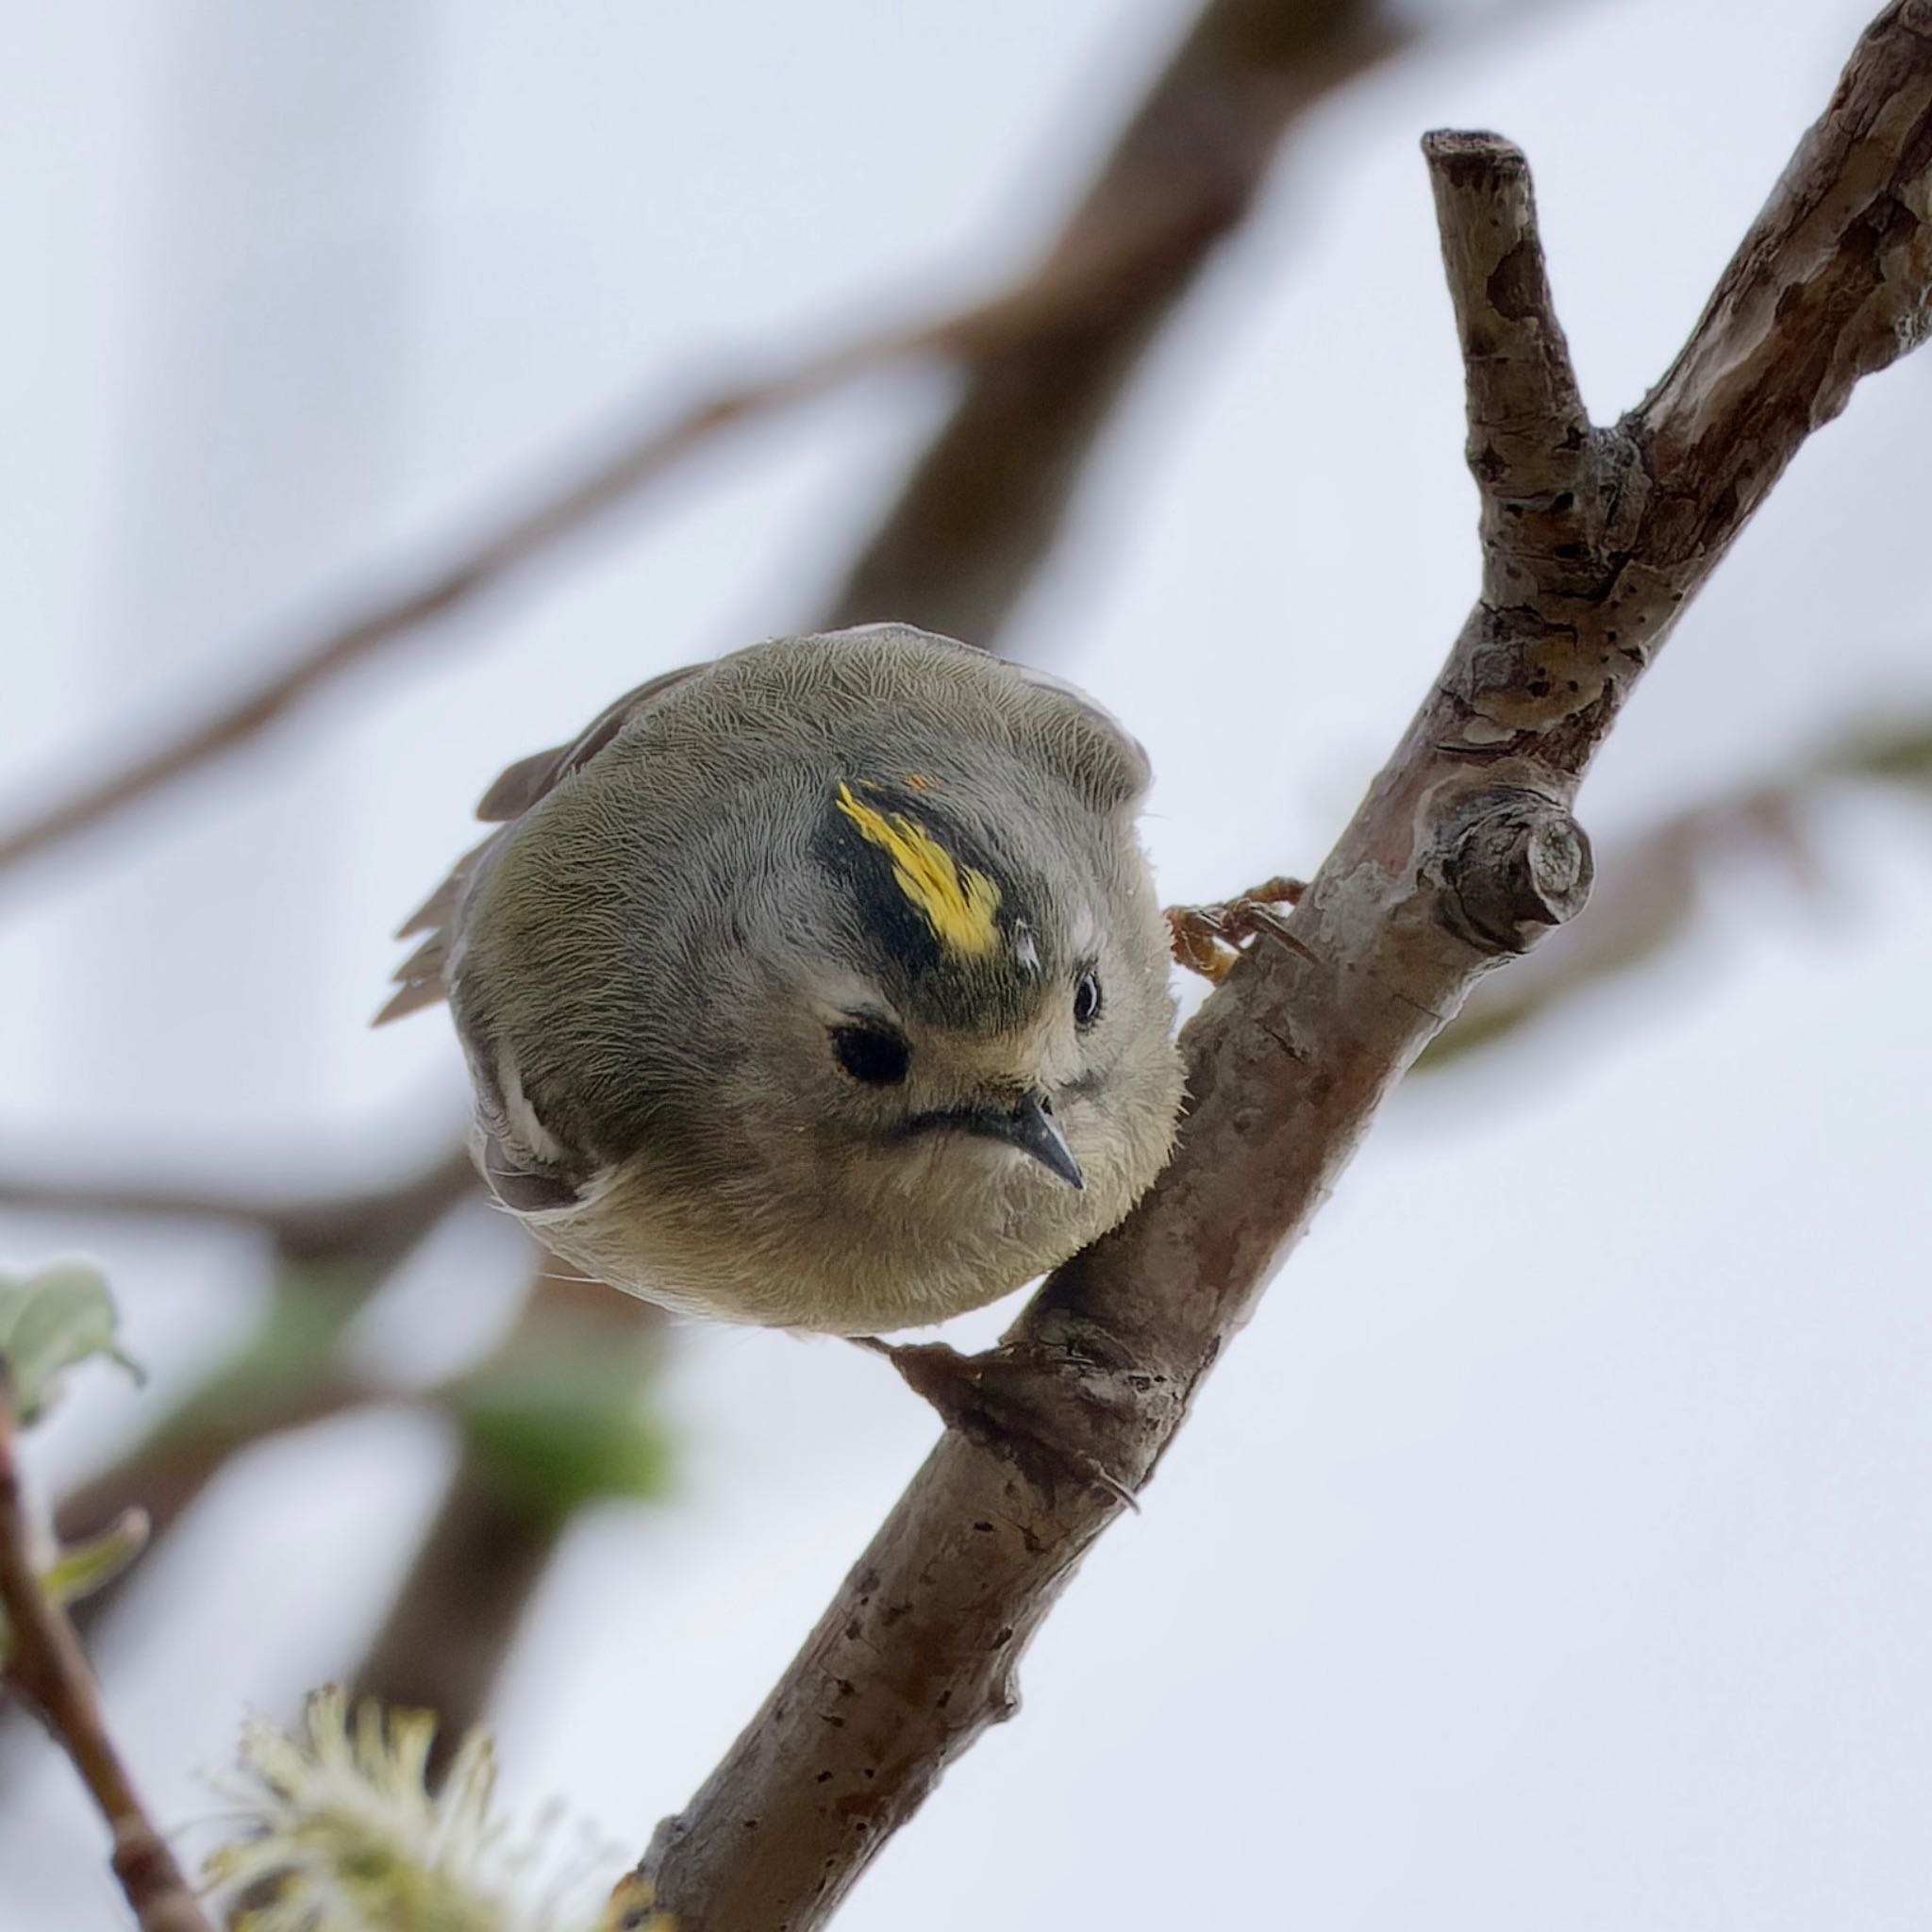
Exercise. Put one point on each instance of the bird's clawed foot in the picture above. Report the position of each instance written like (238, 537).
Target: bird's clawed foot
(1208, 940)
(999, 1398)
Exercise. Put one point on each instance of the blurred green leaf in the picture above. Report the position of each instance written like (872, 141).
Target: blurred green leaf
(50, 1321)
(80, 1569)
(564, 1421)
(1902, 756)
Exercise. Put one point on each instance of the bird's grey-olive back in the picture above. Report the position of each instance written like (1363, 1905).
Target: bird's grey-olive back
(822, 986)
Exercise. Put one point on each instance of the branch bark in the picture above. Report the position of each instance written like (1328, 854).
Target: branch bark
(1462, 852)
(48, 1668)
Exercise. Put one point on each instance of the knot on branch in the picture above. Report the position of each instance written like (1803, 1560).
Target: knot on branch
(1510, 863)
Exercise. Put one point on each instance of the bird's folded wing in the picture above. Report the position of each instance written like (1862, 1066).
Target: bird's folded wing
(420, 978)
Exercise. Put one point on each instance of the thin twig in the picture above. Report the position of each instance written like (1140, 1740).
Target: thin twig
(1461, 853)
(50, 1670)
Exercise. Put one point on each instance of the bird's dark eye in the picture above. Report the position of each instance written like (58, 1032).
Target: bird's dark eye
(1086, 1000)
(873, 1055)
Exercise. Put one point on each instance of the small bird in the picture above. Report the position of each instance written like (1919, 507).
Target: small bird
(823, 986)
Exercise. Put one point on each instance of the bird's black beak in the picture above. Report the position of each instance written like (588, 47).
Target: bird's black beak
(1031, 1128)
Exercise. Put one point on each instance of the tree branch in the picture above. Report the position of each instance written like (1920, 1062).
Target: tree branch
(1461, 852)
(50, 1670)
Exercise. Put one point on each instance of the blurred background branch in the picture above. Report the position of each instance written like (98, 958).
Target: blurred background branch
(407, 602)
(1048, 359)
(558, 1421)
(373, 1226)
(985, 500)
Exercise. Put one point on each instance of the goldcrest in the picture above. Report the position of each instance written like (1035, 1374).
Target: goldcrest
(823, 986)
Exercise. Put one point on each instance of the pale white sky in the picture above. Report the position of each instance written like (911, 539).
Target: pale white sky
(1552, 1551)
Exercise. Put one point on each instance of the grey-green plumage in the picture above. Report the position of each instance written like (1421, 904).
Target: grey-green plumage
(823, 986)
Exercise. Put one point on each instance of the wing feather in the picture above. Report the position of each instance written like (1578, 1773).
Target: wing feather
(420, 978)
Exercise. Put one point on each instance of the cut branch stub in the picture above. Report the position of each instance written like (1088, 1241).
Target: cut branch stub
(1510, 864)
(1555, 493)
(1527, 422)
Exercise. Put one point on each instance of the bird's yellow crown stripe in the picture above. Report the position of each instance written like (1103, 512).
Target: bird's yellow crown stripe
(954, 900)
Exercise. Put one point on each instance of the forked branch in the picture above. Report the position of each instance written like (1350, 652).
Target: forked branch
(1461, 852)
